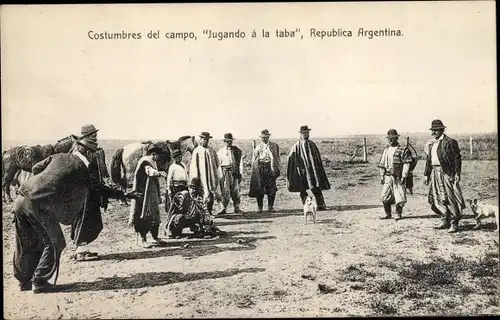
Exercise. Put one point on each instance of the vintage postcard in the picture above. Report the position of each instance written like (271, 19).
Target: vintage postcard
(249, 160)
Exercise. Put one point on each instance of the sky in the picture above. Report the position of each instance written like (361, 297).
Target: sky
(56, 79)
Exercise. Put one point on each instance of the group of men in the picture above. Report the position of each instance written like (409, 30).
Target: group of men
(442, 173)
(220, 172)
(68, 189)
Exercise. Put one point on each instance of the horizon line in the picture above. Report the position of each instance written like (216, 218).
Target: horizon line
(402, 134)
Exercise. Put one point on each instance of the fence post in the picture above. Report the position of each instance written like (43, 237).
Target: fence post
(365, 156)
(470, 145)
(253, 146)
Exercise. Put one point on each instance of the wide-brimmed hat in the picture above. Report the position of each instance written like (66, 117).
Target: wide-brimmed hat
(195, 183)
(437, 124)
(392, 133)
(88, 129)
(176, 153)
(265, 133)
(304, 129)
(154, 147)
(228, 137)
(205, 135)
(88, 143)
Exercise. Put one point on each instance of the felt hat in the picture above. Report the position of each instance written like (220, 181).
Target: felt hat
(176, 153)
(228, 136)
(205, 135)
(392, 133)
(88, 129)
(195, 183)
(265, 133)
(304, 129)
(437, 125)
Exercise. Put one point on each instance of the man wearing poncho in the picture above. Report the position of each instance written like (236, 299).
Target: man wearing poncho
(394, 167)
(442, 171)
(145, 208)
(265, 170)
(205, 166)
(57, 194)
(305, 169)
(188, 210)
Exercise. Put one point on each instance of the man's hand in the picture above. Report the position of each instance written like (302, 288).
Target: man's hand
(382, 180)
(403, 180)
(457, 178)
(426, 180)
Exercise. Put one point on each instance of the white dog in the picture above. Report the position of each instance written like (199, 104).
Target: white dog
(483, 211)
(310, 208)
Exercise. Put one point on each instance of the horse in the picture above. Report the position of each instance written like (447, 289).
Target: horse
(124, 161)
(19, 158)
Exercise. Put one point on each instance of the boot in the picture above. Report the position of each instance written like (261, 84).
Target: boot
(260, 203)
(42, 286)
(320, 200)
(445, 224)
(399, 211)
(388, 211)
(270, 202)
(453, 227)
(26, 285)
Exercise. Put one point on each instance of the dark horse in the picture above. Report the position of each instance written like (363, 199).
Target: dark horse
(23, 158)
(124, 161)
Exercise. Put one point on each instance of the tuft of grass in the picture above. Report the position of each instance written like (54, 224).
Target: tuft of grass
(355, 273)
(389, 286)
(437, 272)
(383, 307)
(466, 241)
(485, 266)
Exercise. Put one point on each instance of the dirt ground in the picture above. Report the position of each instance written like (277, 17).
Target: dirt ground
(350, 263)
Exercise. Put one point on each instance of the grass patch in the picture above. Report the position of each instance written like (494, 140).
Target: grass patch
(466, 241)
(382, 307)
(355, 273)
(388, 286)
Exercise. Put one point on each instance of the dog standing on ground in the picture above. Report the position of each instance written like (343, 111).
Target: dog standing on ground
(310, 208)
(483, 211)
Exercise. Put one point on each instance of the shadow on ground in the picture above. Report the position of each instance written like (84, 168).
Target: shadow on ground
(197, 248)
(149, 279)
(354, 207)
(261, 215)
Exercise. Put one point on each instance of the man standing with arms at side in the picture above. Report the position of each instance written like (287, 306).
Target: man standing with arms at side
(265, 170)
(442, 171)
(205, 166)
(305, 169)
(394, 167)
(230, 170)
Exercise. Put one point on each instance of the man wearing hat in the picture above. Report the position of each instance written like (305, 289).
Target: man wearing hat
(305, 169)
(145, 208)
(177, 176)
(205, 166)
(266, 166)
(57, 193)
(189, 211)
(88, 225)
(394, 168)
(230, 170)
(442, 171)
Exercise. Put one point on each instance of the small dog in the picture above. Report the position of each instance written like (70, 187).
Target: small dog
(483, 211)
(310, 208)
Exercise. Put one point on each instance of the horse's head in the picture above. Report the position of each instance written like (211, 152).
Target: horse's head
(187, 143)
(64, 145)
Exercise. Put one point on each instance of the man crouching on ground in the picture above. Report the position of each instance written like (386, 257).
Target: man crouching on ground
(188, 210)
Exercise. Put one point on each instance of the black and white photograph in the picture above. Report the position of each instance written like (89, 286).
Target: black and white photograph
(249, 160)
